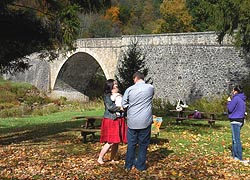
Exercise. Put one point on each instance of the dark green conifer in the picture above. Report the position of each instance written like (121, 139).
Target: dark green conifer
(133, 61)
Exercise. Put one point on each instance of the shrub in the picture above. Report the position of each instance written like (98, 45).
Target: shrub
(61, 101)
(34, 96)
(216, 105)
(7, 105)
(7, 96)
(85, 106)
(14, 112)
(161, 107)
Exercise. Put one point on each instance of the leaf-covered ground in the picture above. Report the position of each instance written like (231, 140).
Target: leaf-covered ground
(179, 153)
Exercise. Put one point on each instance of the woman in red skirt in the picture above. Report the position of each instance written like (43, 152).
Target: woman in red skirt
(113, 129)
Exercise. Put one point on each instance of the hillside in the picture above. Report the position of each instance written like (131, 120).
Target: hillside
(19, 99)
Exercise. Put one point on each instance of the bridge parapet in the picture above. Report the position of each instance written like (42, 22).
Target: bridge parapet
(195, 38)
(99, 43)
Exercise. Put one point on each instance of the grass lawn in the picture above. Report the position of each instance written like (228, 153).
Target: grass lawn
(41, 148)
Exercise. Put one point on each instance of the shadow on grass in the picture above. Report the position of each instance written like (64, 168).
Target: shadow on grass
(199, 125)
(160, 153)
(36, 133)
(91, 139)
(191, 124)
(158, 141)
(155, 156)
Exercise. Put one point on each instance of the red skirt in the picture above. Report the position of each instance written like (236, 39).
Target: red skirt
(113, 131)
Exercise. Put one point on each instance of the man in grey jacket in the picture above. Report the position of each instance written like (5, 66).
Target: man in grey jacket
(137, 99)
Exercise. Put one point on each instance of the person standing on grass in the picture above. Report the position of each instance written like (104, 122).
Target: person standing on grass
(236, 113)
(113, 128)
(137, 100)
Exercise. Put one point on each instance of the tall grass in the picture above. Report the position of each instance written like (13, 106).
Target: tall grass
(95, 104)
(10, 93)
(19, 99)
(22, 99)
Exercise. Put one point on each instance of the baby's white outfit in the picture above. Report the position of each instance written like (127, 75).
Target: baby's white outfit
(117, 98)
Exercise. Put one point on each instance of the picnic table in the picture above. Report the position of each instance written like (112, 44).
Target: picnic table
(90, 127)
(187, 115)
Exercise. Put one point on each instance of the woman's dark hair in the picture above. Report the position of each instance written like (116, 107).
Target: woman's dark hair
(108, 86)
(238, 88)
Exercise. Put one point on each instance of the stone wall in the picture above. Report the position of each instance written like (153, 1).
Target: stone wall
(38, 75)
(192, 66)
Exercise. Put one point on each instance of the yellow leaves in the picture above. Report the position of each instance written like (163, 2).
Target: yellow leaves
(176, 16)
(191, 137)
(188, 154)
(173, 6)
(246, 145)
(46, 162)
(223, 143)
(173, 172)
(113, 14)
(195, 138)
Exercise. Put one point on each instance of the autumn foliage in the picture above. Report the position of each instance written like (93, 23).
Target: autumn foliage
(176, 17)
(113, 14)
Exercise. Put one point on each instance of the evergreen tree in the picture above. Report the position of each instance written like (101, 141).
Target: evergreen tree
(133, 61)
(202, 12)
(233, 19)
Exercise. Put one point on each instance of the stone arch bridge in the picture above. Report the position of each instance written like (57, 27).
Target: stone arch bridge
(183, 65)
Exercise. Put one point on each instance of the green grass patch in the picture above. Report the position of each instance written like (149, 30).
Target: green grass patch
(48, 119)
(198, 137)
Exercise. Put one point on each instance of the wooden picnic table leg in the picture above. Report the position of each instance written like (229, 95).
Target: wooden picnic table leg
(178, 121)
(180, 114)
(179, 117)
(84, 137)
(90, 124)
(211, 121)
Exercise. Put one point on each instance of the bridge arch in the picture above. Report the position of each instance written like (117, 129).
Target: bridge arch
(72, 74)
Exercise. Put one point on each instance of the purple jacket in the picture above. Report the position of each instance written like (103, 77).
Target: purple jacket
(237, 106)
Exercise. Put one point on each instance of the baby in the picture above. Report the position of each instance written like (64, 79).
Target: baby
(117, 98)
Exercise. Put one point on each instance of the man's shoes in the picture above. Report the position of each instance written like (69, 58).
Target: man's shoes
(127, 170)
(245, 162)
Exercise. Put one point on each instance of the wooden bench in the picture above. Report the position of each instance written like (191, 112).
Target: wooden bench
(183, 115)
(89, 128)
